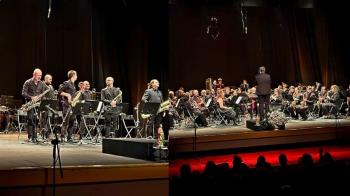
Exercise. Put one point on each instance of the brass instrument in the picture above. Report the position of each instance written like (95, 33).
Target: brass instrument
(118, 98)
(208, 84)
(76, 99)
(164, 106)
(32, 104)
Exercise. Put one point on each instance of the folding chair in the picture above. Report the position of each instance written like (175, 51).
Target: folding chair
(21, 120)
(129, 128)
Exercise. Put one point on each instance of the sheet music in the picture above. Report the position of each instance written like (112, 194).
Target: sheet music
(239, 99)
(177, 103)
(99, 107)
(208, 102)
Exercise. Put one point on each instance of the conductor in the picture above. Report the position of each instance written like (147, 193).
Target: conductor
(263, 90)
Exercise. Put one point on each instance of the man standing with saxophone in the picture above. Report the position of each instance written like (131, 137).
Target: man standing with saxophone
(110, 97)
(154, 95)
(33, 89)
(66, 91)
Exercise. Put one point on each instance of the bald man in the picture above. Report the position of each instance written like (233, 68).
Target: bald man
(31, 90)
(108, 96)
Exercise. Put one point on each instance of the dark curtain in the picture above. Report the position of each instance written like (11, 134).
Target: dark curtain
(294, 44)
(135, 41)
(130, 44)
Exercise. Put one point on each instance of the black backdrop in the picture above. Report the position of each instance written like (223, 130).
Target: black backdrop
(135, 41)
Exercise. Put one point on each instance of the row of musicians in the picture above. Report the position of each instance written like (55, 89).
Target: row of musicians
(34, 88)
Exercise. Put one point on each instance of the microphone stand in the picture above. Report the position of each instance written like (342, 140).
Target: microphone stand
(56, 157)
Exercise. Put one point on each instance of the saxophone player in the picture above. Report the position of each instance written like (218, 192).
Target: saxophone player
(110, 96)
(154, 95)
(44, 116)
(32, 88)
(66, 92)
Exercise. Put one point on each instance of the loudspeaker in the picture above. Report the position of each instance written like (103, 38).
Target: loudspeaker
(251, 124)
(139, 148)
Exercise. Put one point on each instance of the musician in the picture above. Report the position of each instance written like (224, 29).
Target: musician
(110, 96)
(154, 95)
(32, 88)
(48, 81)
(244, 85)
(228, 112)
(332, 101)
(44, 115)
(298, 107)
(67, 92)
(86, 93)
(188, 106)
(219, 84)
(263, 91)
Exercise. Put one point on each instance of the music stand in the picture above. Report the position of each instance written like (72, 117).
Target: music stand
(95, 106)
(152, 109)
(81, 108)
(49, 105)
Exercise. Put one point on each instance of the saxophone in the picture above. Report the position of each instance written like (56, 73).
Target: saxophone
(76, 99)
(164, 106)
(118, 98)
(32, 104)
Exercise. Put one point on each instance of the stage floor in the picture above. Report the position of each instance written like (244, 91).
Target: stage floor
(20, 154)
(228, 137)
(28, 164)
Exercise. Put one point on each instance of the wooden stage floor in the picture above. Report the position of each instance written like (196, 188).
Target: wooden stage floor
(29, 165)
(234, 137)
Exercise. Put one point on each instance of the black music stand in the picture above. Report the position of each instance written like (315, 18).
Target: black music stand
(95, 107)
(51, 106)
(81, 108)
(152, 110)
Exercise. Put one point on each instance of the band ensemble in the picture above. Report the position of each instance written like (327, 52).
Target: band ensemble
(73, 121)
(226, 105)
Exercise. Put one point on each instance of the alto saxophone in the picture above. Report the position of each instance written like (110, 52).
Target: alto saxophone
(118, 98)
(76, 99)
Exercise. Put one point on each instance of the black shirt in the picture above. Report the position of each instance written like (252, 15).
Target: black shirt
(67, 87)
(51, 94)
(30, 89)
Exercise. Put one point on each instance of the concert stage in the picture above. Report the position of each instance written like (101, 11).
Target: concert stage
(26, 169)
(228, 137)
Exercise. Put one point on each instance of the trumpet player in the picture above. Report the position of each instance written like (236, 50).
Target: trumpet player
(110, 96)
(32, 88)
(66, 93)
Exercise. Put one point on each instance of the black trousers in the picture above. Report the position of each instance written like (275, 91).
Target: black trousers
(164, 119)
(31, 124)
(264, 103)
(68, 126)
(110, 123)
